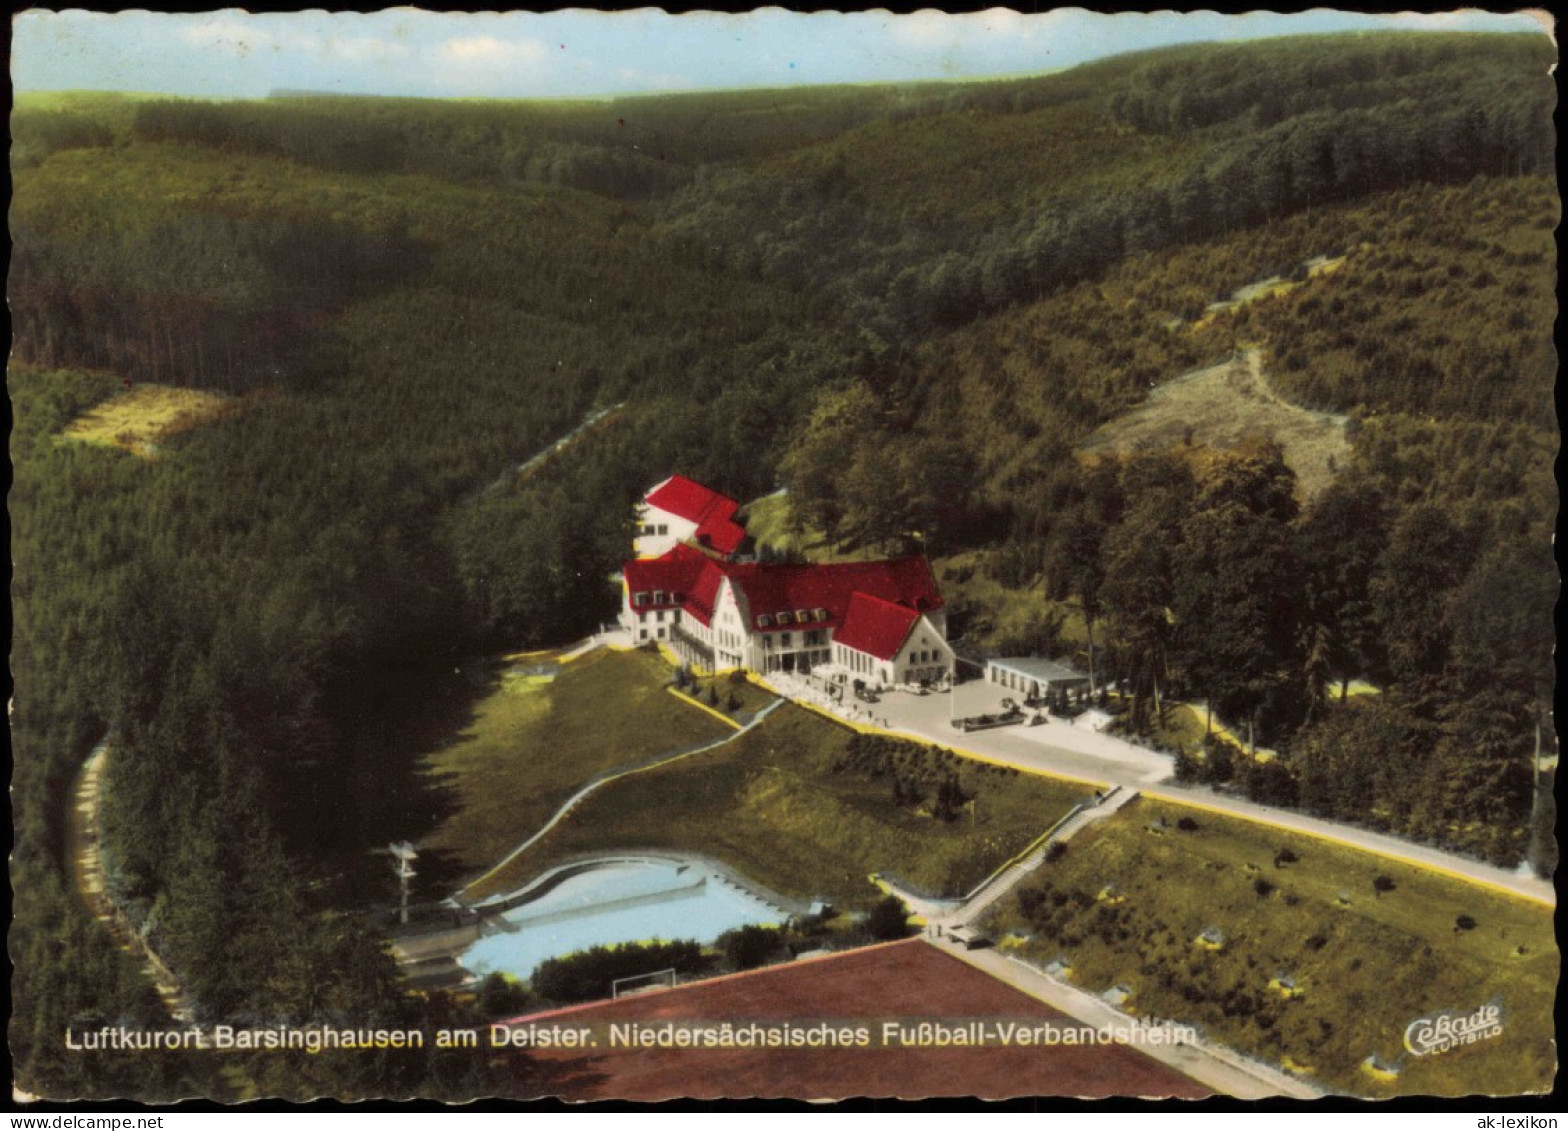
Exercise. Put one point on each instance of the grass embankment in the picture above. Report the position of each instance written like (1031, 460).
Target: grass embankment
(144, 417)
(1366, 964)
(791, 805)
(539, 737)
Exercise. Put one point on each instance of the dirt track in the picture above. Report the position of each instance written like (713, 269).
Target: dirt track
(906, 982)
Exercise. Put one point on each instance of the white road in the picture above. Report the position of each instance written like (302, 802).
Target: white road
(1058, 748)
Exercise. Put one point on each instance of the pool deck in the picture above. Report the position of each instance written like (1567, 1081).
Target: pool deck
(471, 923)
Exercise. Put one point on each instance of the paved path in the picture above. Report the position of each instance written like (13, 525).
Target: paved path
(1066, 751)
(1006, 878)
(87, 865)
(1211, 1065)
(1103, 760)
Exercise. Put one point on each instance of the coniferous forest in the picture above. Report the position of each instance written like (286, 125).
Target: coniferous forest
(909, 305)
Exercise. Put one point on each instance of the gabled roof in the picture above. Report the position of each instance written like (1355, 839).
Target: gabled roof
(713, 513)
(704, 594)
(876, 627)
(674, 573)
(766, 590)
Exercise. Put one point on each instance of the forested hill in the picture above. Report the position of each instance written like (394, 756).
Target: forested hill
(955, 282)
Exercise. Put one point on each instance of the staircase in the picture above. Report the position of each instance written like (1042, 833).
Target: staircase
(1006, 878)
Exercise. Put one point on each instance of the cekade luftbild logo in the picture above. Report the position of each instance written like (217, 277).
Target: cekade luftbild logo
(1442, 1032)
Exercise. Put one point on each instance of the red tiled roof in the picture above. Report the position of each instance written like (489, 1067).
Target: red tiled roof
(705, 593)
(774, 588)
(675, 572)
(876, 627)
(713, 513)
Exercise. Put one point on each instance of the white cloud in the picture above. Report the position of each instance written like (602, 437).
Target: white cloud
(488, 51)
(364, 49)
(925, 30)
(240, 37)
(228, 35)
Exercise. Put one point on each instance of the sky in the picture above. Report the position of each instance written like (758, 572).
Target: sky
(578, 53)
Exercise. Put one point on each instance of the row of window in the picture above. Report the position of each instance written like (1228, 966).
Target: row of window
(657, 597)
(675, 617)
(649, 530)
(799, 616)
(811, 639)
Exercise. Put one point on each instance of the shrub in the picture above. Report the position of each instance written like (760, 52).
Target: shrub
(1464, 923)
(1187, 825)
(500, 997)
(1382, 884)
(1285, 856)
(1262, 887)
(750, 945)
(888, 920)
(588, 974)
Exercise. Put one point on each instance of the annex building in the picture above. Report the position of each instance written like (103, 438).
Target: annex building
(878, 623)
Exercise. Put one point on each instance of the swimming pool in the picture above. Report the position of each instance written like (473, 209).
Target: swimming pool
(614, 902)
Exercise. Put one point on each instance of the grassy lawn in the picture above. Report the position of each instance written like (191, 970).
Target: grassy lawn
(773, 805)
(139, 419)
(748, 696)
(1367, 965)
(1182, 726)
(537, 738)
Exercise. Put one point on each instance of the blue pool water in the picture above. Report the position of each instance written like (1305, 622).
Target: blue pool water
(626, 901)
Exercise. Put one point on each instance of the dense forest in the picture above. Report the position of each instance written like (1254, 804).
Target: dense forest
(910, 305)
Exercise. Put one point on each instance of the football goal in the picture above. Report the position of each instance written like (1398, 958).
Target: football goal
(641, 983)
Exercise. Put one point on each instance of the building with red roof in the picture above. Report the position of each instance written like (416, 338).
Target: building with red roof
(877, 623)
(680, 510)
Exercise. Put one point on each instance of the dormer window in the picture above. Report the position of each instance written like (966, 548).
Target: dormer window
(676, 598)
(658, 596)
(784, 618)
(640, 598)
(822, 614)
(802, 616)
(764, 621)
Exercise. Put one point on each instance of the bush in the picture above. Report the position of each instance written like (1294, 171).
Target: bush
(1187, 825)
(589, 974)
(499, 996)
(888, 920)
(1262, 887)
(1382, 884)
(1464, 923)
(1285, 856)
(750, 945)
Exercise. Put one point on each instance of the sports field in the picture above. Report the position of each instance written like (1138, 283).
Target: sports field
(906, 982)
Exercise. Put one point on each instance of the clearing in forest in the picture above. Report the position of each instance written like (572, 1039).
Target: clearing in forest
(142, 418)
(1222, 406)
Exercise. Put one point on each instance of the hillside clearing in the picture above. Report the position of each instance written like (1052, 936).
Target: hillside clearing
(1222, 405)
(139, 420)
(544, 731)
(1367, 946)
